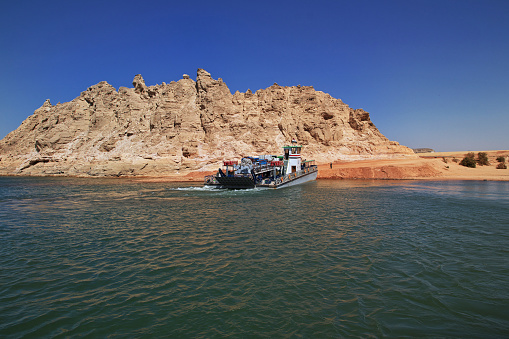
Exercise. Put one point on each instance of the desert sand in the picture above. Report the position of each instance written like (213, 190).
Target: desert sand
(437, 166)
(427, 166)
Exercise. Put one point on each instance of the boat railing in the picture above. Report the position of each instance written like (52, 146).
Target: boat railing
(274, 182)
(298, 174)
(263, 168)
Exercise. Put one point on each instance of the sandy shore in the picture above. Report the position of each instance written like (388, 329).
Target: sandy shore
(428, 166)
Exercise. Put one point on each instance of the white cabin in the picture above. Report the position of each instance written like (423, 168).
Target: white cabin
(292, 158)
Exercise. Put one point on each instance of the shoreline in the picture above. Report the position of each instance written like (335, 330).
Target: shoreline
(425, 166)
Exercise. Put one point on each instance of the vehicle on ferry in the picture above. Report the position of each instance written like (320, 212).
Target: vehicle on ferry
(267, 171)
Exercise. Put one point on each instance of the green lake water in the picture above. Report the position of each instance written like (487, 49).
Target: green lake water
(114, 258)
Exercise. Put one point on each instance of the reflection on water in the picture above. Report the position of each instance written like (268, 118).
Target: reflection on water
(324, 259)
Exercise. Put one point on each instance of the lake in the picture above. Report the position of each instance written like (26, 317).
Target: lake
(117, 258)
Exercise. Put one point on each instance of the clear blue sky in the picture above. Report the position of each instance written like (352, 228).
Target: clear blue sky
(432, 73)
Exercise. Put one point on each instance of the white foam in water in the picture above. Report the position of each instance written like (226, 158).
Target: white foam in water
(194, 188)
(213, 189)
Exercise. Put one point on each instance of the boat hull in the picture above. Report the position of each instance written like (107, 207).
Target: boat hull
(247, 182)
(300, 180)
(236, 182)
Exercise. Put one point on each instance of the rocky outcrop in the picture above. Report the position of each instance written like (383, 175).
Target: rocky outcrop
(423, 150)
(183, 126)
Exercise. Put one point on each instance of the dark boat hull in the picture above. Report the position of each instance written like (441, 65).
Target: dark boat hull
(236, 182)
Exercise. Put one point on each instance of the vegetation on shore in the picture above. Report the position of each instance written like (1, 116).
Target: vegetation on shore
(501, 163)
(469, 161)
(482, 160)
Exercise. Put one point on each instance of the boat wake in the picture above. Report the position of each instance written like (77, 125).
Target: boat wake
(215, 189)
(194, 188)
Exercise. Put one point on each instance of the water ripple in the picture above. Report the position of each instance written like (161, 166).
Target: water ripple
(328, 259)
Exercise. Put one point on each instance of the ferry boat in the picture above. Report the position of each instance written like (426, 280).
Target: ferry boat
(267, 171)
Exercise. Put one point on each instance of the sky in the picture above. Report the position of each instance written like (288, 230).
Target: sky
(431, 73)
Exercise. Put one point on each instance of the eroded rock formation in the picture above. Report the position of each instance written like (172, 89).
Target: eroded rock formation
(183, 126)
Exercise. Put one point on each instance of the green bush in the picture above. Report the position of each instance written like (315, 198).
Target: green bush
(501, 165)
(501, 159)
(469, 161)
(483, 158)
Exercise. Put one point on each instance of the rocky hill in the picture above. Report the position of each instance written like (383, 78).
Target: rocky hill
(184, 126)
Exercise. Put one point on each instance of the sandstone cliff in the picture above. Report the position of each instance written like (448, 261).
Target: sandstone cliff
(183, 126)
